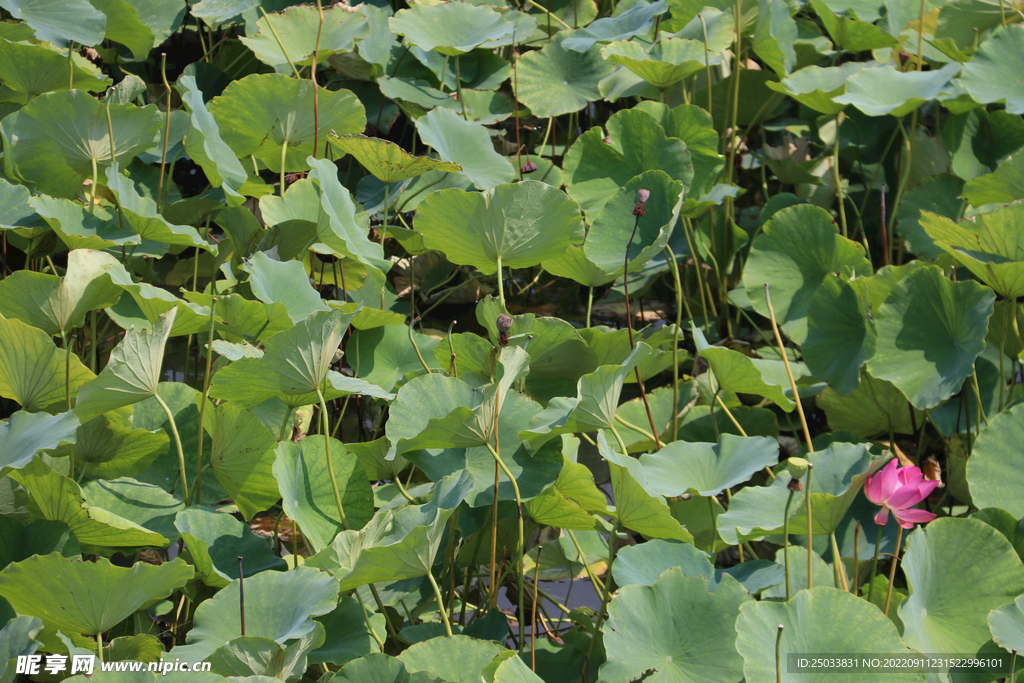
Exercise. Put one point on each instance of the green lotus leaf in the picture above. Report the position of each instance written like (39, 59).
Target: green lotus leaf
(32, 368)
(125, 25)
(595, 169)
(145, 676)
(242, 459)
(1001, 186)
(16, 210)
(817, 87)
(132, 374)
(575, 265)
(416, 97)
(345, 232)
(58, 498)
(467, 144)
(991, 472)
(990, 74)
(570, 501)
(25, 434)
(379, 668)
(595, 404)
(251, 381)
(706, 468)
(57, 305)
(387, 161)
(459, 659)
(308, 496)
(141, 214)
(58, 140)
(243, 319)
(87, 597)
(373, 456)
(1007, 625)
(452, 28)
(848, 31)
(34, 70)
(396, 544)
(216, 540)
(463, 418)
(639, 511)
(774, 38)
(60, 22)
(298, 32)
(644, 563)
(650, 627)
(930, 331)
(737, 373)
(149, 506)
(555, 80)
(104, 449)
(17, 638)
(612, 226)
(951, 593)
(839, 472)
(516, 225)
(989, 245)
(146, 303)
(810, 621)
(840, 335)
(695, 127)
(668, 61)
(882, 90)
(821, 571)
(270, 116)
(633, 21)
(798, 248)
(875, 408)
(257, 657)
(348, 636)
(384, 355)
(285, 283)
(204, 145)
(222, 11)
(78, 228)
(278, 606)
(533, 471)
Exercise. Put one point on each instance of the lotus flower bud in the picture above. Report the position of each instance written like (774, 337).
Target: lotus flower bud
(504, 324)
(642, 195)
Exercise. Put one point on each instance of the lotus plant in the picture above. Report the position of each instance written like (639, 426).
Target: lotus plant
(897, 489)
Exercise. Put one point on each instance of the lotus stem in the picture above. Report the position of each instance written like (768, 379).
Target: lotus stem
(714, 530)
(977, 395)
(607, 595)
(789, 371)
(284, 153)
(177, 443)
(501, 286)
(325, 430)
(638, 211)
(678, 282)
(458, 89)
(874, 561)
(412, 340)
(550, 15)
(629, 425)
(778, 655)
(839, 572)
(312, 77)
(380, 606)
(440, 604)
(99, 646)
(707, 304)
(366, 620)
(533, 618)
(519, 508)
(856, 559)
(384, 235)
(590, 302)
(785, 539)
(279, 43)
(835, 172)
(810, 531)
(206, 395)
(71, 65)
(1013, 664)
(892, 570)
(241, 594)
(594, 579)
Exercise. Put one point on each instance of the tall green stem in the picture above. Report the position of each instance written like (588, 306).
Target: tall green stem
(177, 443)
(677, 280)
(785, 539)
(892, 570)
(167, 132)
(590, 302)
(519, 507)
(810, 531)
(874, 561)
(202, 406)
(330, 461)
(444, 612)
(501, 286)
(838, 179)
(458, 89)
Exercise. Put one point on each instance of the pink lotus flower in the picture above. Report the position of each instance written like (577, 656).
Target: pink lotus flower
(899, 490)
